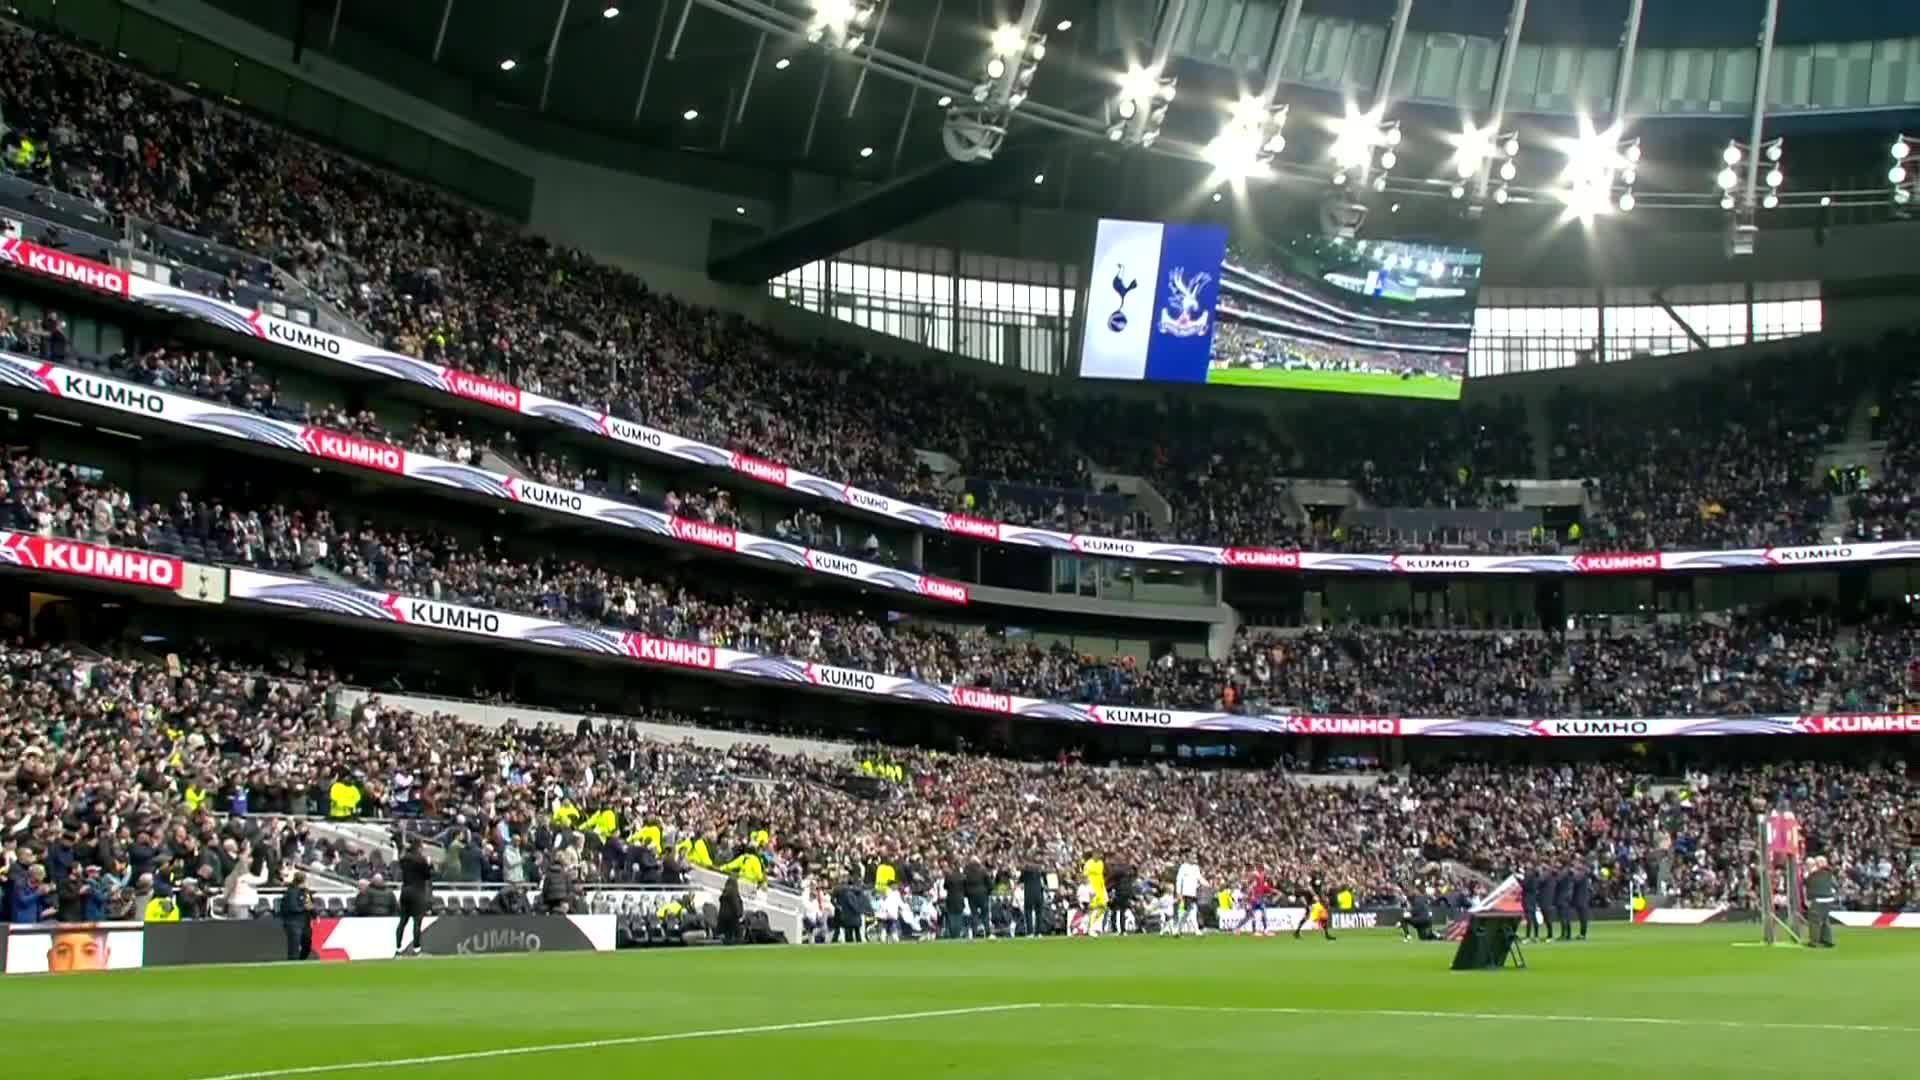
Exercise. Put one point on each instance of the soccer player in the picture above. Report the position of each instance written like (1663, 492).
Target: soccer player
(1186, 882)
(1316, 913)
(1095, 871)
(1257, 904)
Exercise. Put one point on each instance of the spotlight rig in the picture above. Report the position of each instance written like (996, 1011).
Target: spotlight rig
(1903, 176)
(1138, 110)
(1253, 135)
(841, 24)
(976, 126)
(1742, 205)
(1476, 153)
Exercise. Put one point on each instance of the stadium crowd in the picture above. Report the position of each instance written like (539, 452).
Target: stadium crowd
(1783, 664)
(127, 779)
(427, 277)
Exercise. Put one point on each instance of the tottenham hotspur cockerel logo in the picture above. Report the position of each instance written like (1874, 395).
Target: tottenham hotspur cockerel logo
(1117, 321)
(1183, 316)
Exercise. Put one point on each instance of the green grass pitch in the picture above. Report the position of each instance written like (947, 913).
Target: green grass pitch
(1634, 1002)
(1341, 382)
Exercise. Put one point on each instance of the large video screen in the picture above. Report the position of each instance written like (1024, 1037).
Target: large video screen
(1309, 312)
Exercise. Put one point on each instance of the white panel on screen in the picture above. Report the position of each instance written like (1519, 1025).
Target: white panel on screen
(1119, 319)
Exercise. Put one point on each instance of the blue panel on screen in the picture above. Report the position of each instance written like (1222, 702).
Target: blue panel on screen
(1186, 292)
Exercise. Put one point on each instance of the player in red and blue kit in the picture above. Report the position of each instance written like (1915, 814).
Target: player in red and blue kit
(1257, 894)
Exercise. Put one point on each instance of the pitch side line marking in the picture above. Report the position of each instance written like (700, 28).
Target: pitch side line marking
(1437, 1014)
(630, 1040)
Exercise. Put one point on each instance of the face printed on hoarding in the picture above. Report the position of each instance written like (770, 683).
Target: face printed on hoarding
(78, 950)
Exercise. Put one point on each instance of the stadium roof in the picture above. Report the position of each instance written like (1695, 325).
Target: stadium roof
(681, 90)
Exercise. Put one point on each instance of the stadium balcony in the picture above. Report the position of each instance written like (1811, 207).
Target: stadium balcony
(815, 410)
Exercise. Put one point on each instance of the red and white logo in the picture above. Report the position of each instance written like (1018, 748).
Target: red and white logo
(704, 533)
(353, 450)
(1262, 558)
(1862, 724)
(968, 525)
(940, 589)
(58, 264)
(767, 472)
(94, 561)
(685, 654)
(968, 697)
(482, 389)
(1344, 725)
(1617, 562)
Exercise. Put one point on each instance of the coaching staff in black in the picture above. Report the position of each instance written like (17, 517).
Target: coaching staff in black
(1033, 897)
(416, 893)
(1530, 881)
(1417, 916)
(1563, 903)
(1823, 892)
(296, 918)
(1583, 897)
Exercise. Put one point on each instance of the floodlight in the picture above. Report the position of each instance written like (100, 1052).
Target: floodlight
(690, 114)
(1511, 147)
(1775, 177)
(610, 12)
(1007, 39)
(782, 64)
(1393, 134)
(1388, 159)
(1500, 195)
(1726, 202)
(945, 100)
(1379, 183)
(1507, 171)
(1726, 179)
(1339, 179)
(1466, 167)
(996, 67)
(1038, 52)
(1626, 201)
(1232, 154)
(1902, 196)
(508, 64)
(1127, 108)
(1899, 148)
(1629, 176)
(1731, 155)
(1138, 84)
(1774, 150)
(1457, 191)
(1277, 143)
(1770, 201)
(1897, 175)
(1632, 152)
(1826, 200)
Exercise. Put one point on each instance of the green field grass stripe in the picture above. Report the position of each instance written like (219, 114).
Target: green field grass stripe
(626, 1040)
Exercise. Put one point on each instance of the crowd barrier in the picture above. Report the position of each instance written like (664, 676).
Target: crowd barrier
(396, 612)
(114, 946)
(330, 348)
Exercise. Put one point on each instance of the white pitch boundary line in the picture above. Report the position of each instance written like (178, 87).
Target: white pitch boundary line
(884, 1018)
(1439, 1014)
(630, 1040)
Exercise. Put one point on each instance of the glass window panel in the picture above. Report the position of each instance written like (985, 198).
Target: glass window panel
(1327, 59)
(1526, 73)
(1733, 80)
(1439, 63)
(1791, 74)
(1649, 75)
(1595, 89)
(1477, 69)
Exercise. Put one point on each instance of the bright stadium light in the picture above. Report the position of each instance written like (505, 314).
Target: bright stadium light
(1140, 105)
(1007, 39)
(1732, 154)
(1626, 202)
(1775, 177)
(1726, 179)
(1897, 174)
(1774, 150)
(1899, 149)
(1770, 201)
(1508, 171)
(1249, 138)
(1457, 191)
(1726, 202)
(1500, 195)
(996, 67)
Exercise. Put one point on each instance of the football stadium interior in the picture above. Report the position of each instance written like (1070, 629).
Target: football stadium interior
(1025, 539)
